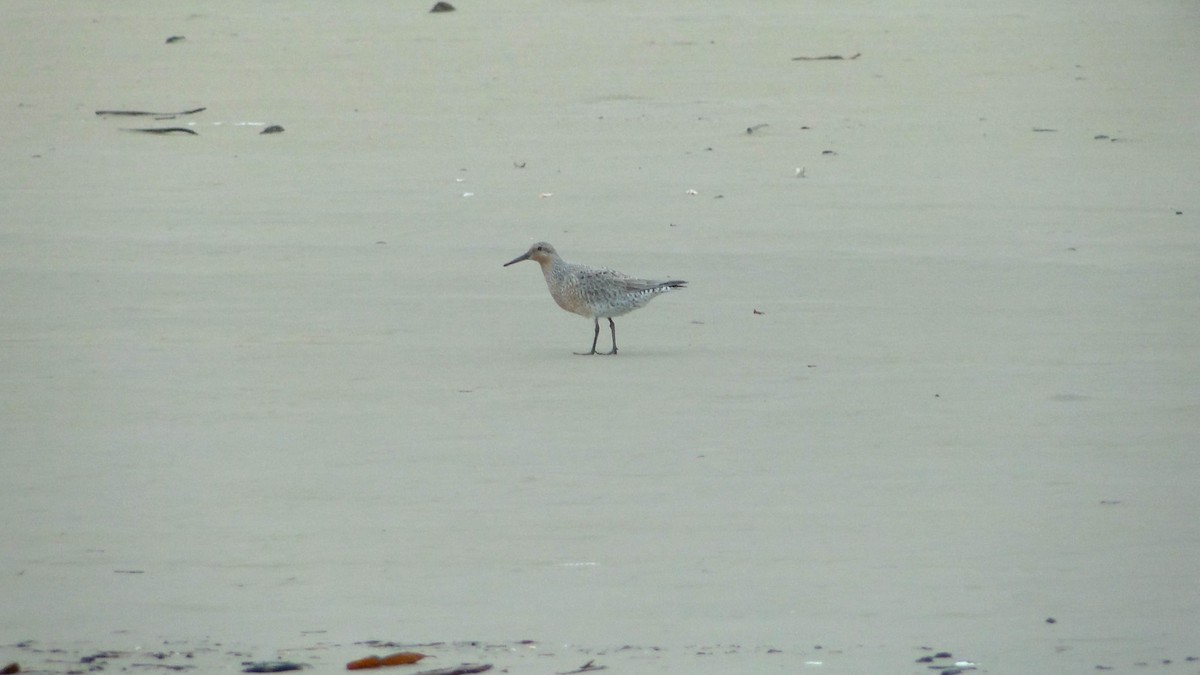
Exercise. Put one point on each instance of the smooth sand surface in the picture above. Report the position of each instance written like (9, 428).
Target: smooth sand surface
(273, 395)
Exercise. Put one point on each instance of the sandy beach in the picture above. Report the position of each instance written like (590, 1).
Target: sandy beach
(934, 385)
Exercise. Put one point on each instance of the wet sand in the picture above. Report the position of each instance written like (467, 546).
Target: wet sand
(934, 380)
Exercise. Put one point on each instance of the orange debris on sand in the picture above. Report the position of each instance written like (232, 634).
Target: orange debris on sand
(402, 658)
(397, 659)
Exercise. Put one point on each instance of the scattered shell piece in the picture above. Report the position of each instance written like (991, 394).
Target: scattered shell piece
(464, 669)
(546, 195)
(691, 193)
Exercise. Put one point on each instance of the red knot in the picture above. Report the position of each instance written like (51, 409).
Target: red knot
(593, 292)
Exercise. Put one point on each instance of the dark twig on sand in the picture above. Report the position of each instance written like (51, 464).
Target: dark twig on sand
(588, 667)
(165, 130)
(830, 57)
(271, 666)
(143, 113)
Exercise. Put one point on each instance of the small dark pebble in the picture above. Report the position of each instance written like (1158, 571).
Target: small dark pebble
(175, 38)
(273, 129)
(952, 671)
(442, 7)
(1100, 137)
(925, 659)
(11, 668)
(1043, 130)
(943, 655)
(828, 152)
(1051, 620)
(1179, 213)
(755, 128)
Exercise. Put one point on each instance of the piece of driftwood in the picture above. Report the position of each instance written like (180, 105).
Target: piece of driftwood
(830, 57)
(143, 113)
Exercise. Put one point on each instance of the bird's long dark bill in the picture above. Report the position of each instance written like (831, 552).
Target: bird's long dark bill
(523, 256)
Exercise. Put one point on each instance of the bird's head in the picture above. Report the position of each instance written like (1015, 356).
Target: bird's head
(540, 253)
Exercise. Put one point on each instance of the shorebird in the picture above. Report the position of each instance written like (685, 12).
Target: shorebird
(593, 292)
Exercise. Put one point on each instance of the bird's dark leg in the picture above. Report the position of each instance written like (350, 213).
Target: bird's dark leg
(595, 338)
(613, 327)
